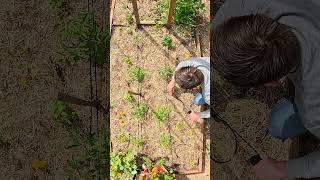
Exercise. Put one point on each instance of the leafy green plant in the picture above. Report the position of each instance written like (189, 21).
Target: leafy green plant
(122, 138)
(57, 3)
(139, 111)
(62, 113)
(180, 126)
(129, 19)
(92, 159)
(123, 165)
(137, 141)
(164, 140)
(136, 73)
(81, 39)
(167, 42)
(158, 24)
(166, 73)
(129, 30)
(127, 60)
(184, 11)
(129, 97)
(156, 169)
(161, 114)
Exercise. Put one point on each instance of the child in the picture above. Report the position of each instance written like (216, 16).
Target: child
(190, 74)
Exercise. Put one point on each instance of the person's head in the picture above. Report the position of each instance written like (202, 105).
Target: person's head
(254, 50)
(188, 77)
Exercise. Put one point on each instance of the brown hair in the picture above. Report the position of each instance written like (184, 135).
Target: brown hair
(254, 49)
(188, 77)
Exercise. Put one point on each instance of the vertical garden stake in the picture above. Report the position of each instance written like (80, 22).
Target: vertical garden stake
(170, 15)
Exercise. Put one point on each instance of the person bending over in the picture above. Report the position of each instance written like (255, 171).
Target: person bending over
(191, 74)
(262, 42)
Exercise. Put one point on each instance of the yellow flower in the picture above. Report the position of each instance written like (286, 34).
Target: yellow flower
(119, 174)
(190, 162)
(190, 132)
(120, 28)
(121, 122)
(38, 164)
(187, 55)
(121, 113)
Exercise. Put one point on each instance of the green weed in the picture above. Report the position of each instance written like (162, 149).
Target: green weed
(180, 126)
(165, 140)
(139, 111)
(184, 11)
(122, 138)
(136, 73)
(129, 30)
(129, 97)
(129, 19)
(167, 42)
(158, 25)
(161, 114)
(137, 141)
(127, 60)
(61, 113)
(166, 73)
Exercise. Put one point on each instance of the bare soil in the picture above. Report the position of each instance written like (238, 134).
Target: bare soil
(30, 77)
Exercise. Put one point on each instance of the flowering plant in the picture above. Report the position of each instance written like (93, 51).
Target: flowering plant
(155, 171)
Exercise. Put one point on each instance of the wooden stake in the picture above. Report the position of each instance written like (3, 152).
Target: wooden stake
(170, 15)
(135, 11)
(111, 13)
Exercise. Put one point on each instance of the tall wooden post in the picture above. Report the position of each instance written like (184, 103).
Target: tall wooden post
(135, 11)
(170, 15)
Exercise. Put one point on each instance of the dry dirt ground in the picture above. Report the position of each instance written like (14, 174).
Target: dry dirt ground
(151, 56)
(29, 80)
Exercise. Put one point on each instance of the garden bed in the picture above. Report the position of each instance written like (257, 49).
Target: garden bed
(143, 47)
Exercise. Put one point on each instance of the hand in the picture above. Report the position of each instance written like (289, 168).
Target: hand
(170, 86)
(195, 117)
(270, 169)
